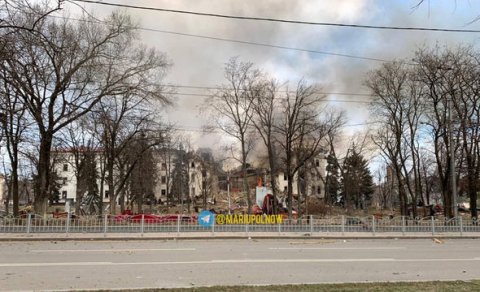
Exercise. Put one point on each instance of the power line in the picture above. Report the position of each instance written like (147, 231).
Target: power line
(240, 41)
(274, 46)
(277, 19)
(329, 100)
(208, 130)
(219, 88)
(266, 45)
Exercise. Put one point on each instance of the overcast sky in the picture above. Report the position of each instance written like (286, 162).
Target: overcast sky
(199, 62)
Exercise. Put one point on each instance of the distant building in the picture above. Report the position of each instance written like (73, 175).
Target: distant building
(235, 178)
(309, 181)
(66, 174)
(315, 177)
(200, 177)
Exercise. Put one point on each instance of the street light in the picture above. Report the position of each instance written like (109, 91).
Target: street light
(228, 193)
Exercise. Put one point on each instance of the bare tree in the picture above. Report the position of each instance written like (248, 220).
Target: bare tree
(398, 105)
(141, 182)
(26, 16)
(437, 99)
(14, 123)
(428, 171)
(451, 76)
(466, 104)
(302, 128)
(441, 75)
(266, 115)
(121, 119)
(233, 109)
(58, 86)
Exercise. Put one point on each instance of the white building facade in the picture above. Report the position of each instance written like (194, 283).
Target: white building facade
(65, 169)
(312, 181)
(198, 177)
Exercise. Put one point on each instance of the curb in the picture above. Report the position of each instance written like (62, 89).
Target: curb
(251, 237)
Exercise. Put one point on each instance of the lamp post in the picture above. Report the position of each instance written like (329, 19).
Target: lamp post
(228, 193)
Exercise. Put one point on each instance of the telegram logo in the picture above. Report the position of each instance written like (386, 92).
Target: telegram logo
(206, 218)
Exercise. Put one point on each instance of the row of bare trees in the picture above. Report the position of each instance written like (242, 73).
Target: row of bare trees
(291, 123)
(427, 112)
(85, 85)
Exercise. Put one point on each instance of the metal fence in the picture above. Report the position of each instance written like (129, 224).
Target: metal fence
(32, 223)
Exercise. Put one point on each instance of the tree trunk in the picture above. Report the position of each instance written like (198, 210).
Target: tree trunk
(447, 202)
(290, 194)
(102, 182)
(111, 188)
(189, 199)
(472, 192)
(299, 200)
(43, 179)
(122, 194)
(121, 201)
(473, 206)
(78, 194)
(139, 203)
(273, 175)
(7, 203)
(326, 199)
(204, 189)
(15, 188)
(245, 181)
(12, 149)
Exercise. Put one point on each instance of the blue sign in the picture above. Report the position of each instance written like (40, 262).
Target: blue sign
(206, 218)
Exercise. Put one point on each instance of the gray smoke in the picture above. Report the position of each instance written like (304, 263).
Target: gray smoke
(200, 62)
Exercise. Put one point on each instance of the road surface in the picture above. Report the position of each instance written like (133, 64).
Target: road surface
(74, 265)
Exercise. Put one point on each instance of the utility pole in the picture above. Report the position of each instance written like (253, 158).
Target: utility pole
(228, 193)
(452, 158)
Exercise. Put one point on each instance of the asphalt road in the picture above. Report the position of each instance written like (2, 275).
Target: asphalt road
(76, 265)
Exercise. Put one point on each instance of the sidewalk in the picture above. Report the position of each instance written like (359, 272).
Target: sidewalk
(228, 235)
